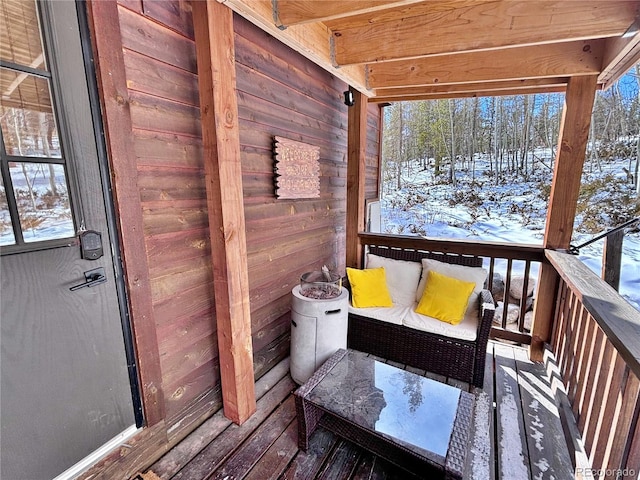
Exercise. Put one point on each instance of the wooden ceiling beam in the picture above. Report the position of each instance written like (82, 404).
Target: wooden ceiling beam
(474, 94)
(473, 87)
(437, 28)
(620, 54)
(291, 12)
(554, 60)
(312, 40)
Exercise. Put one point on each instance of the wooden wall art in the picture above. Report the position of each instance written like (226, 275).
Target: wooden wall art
(297, 169)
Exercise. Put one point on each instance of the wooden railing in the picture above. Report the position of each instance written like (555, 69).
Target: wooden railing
(596, 343)
(498, 258)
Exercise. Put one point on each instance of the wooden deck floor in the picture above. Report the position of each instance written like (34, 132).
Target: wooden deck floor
(517, 435)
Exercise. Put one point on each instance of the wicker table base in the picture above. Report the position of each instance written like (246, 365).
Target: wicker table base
(416, 423)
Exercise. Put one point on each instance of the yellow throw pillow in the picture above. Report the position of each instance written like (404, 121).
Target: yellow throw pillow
(369, 288)
(445, 298)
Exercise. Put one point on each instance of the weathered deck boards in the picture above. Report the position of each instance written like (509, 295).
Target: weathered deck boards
(517, 434)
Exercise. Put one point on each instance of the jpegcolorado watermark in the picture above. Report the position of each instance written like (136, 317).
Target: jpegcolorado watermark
(602, 473)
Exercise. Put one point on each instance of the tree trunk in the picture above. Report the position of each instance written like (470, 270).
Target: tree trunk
(452, 165)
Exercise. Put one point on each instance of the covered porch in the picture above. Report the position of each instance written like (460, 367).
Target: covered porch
(192, 96)
(573, 415)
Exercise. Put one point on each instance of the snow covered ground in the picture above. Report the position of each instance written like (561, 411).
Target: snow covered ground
(508, 212)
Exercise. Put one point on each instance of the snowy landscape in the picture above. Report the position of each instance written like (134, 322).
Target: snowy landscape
(511, 210)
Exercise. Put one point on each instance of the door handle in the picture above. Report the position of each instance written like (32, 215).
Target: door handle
(91, 279)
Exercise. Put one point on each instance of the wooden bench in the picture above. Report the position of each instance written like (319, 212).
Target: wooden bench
(460, 359)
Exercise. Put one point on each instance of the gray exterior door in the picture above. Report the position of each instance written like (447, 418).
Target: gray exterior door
(65, 379)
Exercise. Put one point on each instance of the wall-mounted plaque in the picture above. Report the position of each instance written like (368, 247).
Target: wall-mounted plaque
(297, 169)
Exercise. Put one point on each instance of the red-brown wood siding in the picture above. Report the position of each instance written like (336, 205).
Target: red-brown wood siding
(159, 55)
(279, 93)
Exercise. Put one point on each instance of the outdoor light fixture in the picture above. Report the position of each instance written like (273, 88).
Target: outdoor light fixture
(348, 98)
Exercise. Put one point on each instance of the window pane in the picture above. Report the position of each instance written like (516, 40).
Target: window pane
(26, 116)
(6, 231)
(43, 201)
(20, 40)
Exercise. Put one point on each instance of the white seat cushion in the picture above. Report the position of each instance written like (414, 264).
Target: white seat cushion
(386, 314)
(465, 330)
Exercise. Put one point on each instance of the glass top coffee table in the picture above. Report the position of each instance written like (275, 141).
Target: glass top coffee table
(414, 422)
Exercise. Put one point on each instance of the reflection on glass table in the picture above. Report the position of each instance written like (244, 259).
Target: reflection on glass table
(415, 422)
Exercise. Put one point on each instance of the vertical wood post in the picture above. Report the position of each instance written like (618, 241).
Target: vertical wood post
(107, 44)
(612, 258)
(213, 28)
(572, 146)
(356, 165)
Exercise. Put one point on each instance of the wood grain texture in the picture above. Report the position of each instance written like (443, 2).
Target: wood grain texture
(282, 94)
(187, 392)
(567, 59)
(265, 446)
(430, 30)
(278, 456)
(215, 454)
(296, 13)
(572, 144)
(182, 421)
(156, 41)
(213, 26)
(356, 178)
(471, 88)
(513, 458)
(107, 37)
(620, 54)
(175, 14)
(162, 115)
(134, 5)
(279, 423)
(269, 57)
(627, 404)
(146, 446)
(617, 318)
(572, 141)
(312, 41)
(598, 372)
(167, 150)
(612, 258)
(548, 455)
(154, 77)
(186, 450)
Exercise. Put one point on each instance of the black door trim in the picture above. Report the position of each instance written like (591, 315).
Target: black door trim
(125, 318)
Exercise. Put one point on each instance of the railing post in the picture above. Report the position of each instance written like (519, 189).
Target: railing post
(612, 258)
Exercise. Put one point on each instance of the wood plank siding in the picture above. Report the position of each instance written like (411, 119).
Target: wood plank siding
(161, 71)
(279, 92)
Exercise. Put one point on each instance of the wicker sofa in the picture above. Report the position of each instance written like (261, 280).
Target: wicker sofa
(452, 357)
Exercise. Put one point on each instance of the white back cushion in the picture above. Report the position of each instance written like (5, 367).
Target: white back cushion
(402, 277)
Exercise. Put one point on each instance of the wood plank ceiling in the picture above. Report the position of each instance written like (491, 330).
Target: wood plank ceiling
(417, 49)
